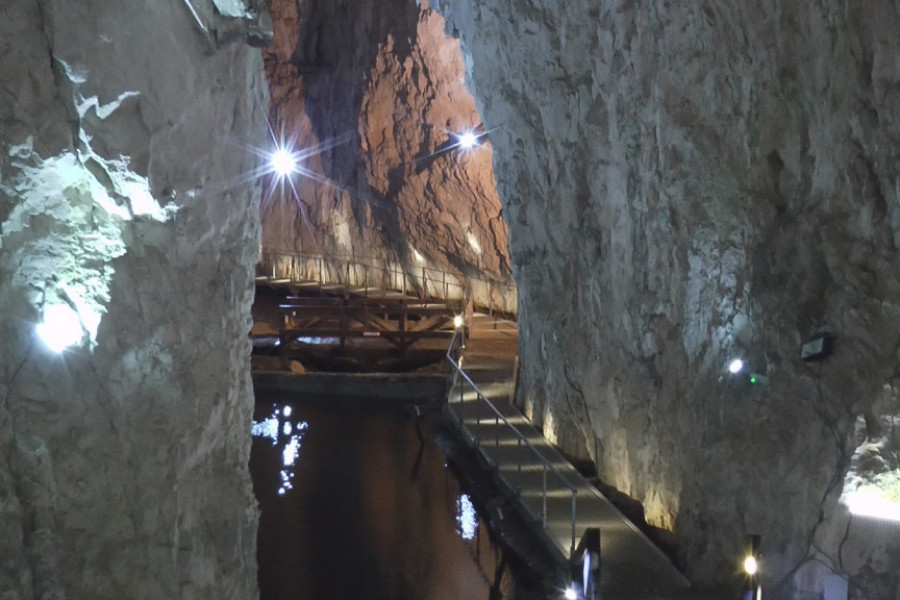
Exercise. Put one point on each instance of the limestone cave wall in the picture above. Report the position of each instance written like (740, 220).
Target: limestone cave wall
(686, 183)
(127, 210)
(373, 93)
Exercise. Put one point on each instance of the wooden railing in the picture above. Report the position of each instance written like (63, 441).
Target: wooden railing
(491, 295)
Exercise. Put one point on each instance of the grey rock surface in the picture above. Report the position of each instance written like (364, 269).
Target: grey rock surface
(686, 183)
(123, 203)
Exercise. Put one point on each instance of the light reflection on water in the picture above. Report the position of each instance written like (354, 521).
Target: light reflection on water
(466, 518)
(369, 512)
(269, 428)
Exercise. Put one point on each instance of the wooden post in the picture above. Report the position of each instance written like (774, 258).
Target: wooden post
(344, 324)
(403, 315)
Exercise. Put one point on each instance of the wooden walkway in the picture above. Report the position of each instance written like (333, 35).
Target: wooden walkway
(351, 326)
(632, 567)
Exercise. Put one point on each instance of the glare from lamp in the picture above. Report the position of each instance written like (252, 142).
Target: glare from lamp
(467, 140)
(283, 162)
(570, 594)
(60, 328)
(750, 565)
(457, 321)
(735, 366)
(874, 505)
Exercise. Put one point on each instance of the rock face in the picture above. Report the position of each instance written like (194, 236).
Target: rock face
(124, 210)
(374, 93)
(689, 183)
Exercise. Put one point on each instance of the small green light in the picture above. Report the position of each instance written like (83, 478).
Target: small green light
(753, 379)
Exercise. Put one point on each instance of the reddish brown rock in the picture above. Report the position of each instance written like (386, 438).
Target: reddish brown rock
(379, 88)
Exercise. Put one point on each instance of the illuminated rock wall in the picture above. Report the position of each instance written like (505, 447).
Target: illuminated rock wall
(123, 128)
(685, 183)
(378, 88)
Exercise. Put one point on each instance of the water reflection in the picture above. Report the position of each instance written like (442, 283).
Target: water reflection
(292, 435)
(466, 518)
(371, 513)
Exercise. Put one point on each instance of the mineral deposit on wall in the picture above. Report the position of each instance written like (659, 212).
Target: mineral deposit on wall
(686, 183)
(124, 210)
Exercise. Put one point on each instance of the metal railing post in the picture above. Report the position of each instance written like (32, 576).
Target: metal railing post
(462, 406)
(519, 455)
(496, 432)
(544, 507)
(477, 418)
(572, 549)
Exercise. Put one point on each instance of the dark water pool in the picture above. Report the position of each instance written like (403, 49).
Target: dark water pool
(356, 503)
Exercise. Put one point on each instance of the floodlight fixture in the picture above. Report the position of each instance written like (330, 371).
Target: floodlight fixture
(874, 504)
(750, 565)
(817, 347)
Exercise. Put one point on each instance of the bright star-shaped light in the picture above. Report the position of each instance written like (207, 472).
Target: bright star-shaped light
(60, 328)
(283, 162)
(467, 140)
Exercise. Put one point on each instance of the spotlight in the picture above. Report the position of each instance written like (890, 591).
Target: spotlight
(61, 327)
(750, 565)
(467, 140)
(752, 589)
(735, 366)
(283, 162)
(457, 321)
(570, 594)
(874, 504)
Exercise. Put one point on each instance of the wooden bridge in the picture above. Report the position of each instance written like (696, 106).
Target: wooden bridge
(356, 314)
(399, 320)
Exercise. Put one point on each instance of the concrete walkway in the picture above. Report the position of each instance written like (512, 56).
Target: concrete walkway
(631, 566)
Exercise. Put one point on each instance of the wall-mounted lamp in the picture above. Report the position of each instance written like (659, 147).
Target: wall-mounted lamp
(752, 588)
(817, 347)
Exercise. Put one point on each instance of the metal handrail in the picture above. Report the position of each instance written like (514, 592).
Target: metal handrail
(344, 269)
(547, 465)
